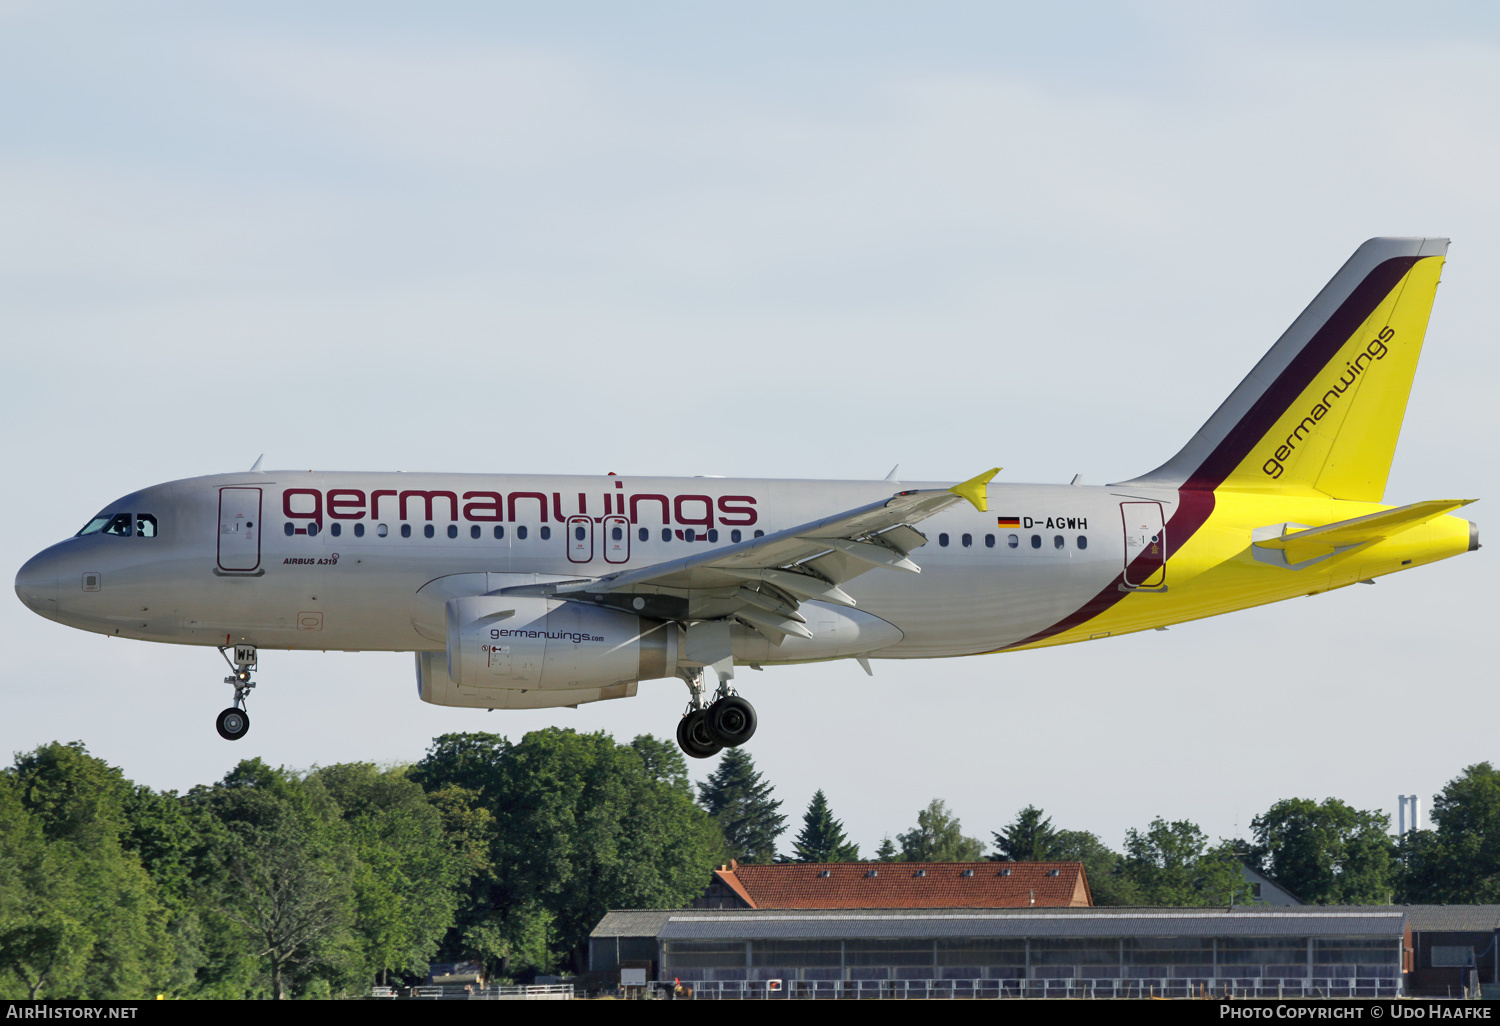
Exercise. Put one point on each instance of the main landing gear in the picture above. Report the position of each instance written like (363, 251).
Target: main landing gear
(707, 728)
(234, 722)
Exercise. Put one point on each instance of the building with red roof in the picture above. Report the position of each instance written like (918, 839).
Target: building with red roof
(814, 885)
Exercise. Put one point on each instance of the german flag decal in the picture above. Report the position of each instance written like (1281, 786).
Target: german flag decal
(1008, 521)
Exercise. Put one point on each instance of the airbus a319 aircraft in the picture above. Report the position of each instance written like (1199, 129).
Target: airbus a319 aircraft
(526, 592)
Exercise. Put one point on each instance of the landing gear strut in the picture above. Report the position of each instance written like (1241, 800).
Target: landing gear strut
(707, 728)
(233, 722)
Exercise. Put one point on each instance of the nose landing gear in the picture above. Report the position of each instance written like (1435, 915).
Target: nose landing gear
(234, 722)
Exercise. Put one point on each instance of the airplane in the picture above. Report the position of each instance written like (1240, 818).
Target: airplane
(527, 592)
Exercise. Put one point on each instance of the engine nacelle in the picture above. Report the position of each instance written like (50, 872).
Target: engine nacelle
(499, 642)
(435, 686)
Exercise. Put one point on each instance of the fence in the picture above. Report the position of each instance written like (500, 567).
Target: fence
(550, 992)
(1085, 989)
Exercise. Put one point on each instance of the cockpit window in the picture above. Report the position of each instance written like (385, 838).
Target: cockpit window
(94, 526)
(121, 525)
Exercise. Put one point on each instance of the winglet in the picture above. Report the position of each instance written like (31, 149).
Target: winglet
(973, 489)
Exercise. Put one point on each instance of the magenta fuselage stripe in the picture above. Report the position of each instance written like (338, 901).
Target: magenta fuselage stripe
(1192, 511)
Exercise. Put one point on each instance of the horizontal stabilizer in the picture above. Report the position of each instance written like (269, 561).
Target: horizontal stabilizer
(1313, 542)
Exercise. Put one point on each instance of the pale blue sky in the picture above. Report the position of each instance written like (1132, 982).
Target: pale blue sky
(780, 240)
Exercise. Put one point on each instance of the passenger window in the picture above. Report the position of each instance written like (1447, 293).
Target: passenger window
(713, 534)
(989, 541)
(382, 530)
(734, 535)
(406, 530)
(312, 529)
(666, 534)
(427, 531)
(145, 525)
(287, 528)
(1083, 541)
(943, 540)
(968, 540)
(760, 533)
(691, 534)
(474, 531)
(580, 533)
(1036, 541)
(499, 532)
(546, 532)
(120, 525)
(359, 530)
(452, 530)
(1057, 541)
(644, 535)
(521, 532)
(335, 529)
(1012, 541)
(615, 534)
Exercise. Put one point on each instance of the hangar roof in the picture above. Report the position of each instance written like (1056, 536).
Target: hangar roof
(1243, 921)
(813, 885)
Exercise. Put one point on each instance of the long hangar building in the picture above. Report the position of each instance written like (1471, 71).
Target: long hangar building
(1070, 949)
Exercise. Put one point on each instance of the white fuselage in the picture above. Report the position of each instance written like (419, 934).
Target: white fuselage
(371, 559)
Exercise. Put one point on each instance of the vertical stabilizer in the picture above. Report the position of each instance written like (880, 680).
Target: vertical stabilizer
(1321, 412)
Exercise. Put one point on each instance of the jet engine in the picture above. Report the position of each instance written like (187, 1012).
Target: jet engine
(499, 647)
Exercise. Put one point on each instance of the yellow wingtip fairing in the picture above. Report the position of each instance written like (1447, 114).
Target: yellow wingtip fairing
(973, 489)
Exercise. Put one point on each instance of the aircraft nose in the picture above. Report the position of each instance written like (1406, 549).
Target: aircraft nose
(36, 584)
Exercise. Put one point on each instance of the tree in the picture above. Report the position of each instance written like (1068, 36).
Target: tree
(938, 837)
(1107, 882)
(1172, 864)
(407, 880)
(577, 825)
(1328, 854)
(79, 916)
(822, 838)
(887, 852)
(741, 803)
(280, 882)
(1029, 838)
(1459, 861)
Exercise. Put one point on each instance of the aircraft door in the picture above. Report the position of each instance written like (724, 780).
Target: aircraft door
(580, 539)
(1145, 545)
(616, 539)
(239, 528)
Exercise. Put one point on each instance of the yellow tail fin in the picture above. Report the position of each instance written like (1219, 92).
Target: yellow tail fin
(1321, 412)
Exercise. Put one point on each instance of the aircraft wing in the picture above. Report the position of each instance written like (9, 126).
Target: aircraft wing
(762, 581)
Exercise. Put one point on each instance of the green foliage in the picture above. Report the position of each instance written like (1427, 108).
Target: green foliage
(938, 837)
(887, 852)
(281, 877)
(1328, 854)
(1172, 864)
(577, 825)
(1029, 838)
(822, 838)
(1459, 861)
(79, 916)
(1104, 867)
(741, 804)
(407, 882)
